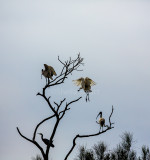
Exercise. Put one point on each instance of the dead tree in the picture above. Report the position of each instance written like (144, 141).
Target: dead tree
(58, 111)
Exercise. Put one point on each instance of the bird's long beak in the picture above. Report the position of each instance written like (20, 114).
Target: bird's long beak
(41, 73)
(97, 115)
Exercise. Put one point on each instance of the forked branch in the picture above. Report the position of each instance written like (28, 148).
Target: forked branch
(68, 67)
(34, 134)
(90, 135)
(34, 142)
(66, 107)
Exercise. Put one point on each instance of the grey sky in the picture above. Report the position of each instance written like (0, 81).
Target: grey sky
(113, 37)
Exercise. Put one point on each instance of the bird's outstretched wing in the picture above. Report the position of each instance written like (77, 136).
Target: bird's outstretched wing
(46, 67)
(90, 81)
(78, 81)
(52, 70)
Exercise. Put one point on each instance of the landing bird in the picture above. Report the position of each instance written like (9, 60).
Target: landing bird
(46, 141)
(85, 84)
(48, 72)
(101, 121)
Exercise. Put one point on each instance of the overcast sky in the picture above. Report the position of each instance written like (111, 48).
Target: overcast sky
(113, 37)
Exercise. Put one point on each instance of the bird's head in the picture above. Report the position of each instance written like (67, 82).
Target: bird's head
(45, 65)
(100, 113)
(40, 134)
(42, 72)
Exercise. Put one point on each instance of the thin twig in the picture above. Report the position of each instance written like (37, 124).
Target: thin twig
(66, 107)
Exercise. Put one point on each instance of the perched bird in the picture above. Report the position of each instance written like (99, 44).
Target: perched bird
(46, 141)
(101, 121)
(48, 72)
(85, 84)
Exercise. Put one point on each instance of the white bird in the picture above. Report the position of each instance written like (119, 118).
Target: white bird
(85, 84)
(101, 121)
(48, 72)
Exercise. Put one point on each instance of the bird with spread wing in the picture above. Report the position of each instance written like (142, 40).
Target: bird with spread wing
(49, 72)
(85, 84)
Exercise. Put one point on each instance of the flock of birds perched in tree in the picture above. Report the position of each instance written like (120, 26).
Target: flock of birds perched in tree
(83, 83)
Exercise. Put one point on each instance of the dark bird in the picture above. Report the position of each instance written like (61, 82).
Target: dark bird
(49, 72)
(85, 84)
(46, 141)
(101, 121)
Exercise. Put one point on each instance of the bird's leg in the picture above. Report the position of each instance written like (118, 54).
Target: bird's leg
(79, 89)
(100, 129)
(88, 97)
(48, 81)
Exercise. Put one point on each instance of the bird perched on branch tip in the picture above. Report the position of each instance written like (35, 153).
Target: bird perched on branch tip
(101, 121)
(49, 72)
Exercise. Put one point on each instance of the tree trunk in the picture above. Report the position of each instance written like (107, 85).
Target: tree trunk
(45, 157)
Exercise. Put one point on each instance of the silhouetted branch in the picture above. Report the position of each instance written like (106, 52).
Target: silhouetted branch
(52, 135)
(40, 124)
(110, 116)
(89, 135)
(48, 101)
(110, 123)
(66, 107)
(59, 105)
(69, 66)
(34, 142)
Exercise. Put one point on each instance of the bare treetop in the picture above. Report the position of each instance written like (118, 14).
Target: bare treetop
(60, 109)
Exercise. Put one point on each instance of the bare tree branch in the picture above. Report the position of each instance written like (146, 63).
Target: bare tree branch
(110, 117)
(40, 124)
(66, 108)
(110, 123)
(68, 68)
(59, 105)
(34, 142)
(52, 136)
(89, 135)
(48, 101)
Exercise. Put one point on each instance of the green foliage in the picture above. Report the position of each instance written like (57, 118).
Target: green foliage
(123, 151)
(100, 150)
(38, 157)
(113, 156)
(132, 155)
(85, 154)
(127, 141)
(145, 153)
